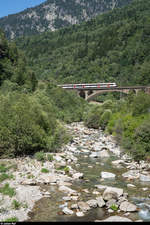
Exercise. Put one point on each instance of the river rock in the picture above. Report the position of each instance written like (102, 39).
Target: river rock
(74, 206)
(100, 201)
(115, 219)
(112, 193)
(128, 207)
(83, 206)
(107, 175)
(66, 190)
(92, 203)
(131, 174)
(77, 176)
(79, 214)
(144, 178)
(101, 187)
(103, 154)
(67, 211)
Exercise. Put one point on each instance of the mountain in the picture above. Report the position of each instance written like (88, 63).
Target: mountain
(54, 14)
(113, 47)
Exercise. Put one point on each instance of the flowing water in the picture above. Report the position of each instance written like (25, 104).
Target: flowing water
(50, 209)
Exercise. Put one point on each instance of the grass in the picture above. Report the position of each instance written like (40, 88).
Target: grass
(11, 219)
(16, 204)
(3, 169)
(50, 157)
(5, 176)
(44, 170)
(7, 190)
(40, 156)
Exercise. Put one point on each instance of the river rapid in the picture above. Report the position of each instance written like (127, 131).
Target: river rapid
(98, 163)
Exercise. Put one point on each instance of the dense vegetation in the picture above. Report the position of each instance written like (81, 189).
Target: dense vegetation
(31, 114)
(128, 120)
(112, 47)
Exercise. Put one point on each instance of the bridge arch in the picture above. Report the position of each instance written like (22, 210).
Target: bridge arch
(97, 93)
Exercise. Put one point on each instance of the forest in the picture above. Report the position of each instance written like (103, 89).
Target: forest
(111, 47)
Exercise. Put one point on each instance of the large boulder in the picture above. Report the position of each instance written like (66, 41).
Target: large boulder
(128, 207)
(144, 177)
(83, 206)
(100, 201)
(107, 175)
(115, 219)
(92, 203)
(112, 193)
(131, 174)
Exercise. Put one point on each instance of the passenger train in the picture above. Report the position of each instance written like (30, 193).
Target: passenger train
(86, 85)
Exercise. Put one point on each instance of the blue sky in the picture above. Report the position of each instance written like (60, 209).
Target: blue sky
(14, 6)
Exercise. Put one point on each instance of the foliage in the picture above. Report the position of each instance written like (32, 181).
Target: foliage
(114, 207)
(44, 170)
(7, 190)
(92, 117)
(50, 157)
(16, 204)
(105, 117)
(141, 103)
(11, 219)
(114, 46)
(13, 67)
(5, 176)
(40, 156)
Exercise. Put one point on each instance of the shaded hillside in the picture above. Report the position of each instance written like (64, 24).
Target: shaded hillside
(54, 14)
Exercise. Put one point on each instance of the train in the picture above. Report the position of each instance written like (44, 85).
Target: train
(88, 85)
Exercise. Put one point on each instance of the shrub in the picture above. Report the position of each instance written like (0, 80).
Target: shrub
(5, 176)
(6, 190)
(16, 204)
(3, 168)
(105, 117)
(40, 156)
(50, 157)
(66, 169)
(92, 119)
(141, 104)
(141, 147)
(44, 170)
(11, 219)
(114, 207)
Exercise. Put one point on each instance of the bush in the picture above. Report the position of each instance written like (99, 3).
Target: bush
(6, 190)
(40, 156)
(44, 170)
(27, 126)
(141, 147)
(105, 117)
(141, 104)
(16, 204)
(92, 119)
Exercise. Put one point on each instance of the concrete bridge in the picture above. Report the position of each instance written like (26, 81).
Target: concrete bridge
(89, 91)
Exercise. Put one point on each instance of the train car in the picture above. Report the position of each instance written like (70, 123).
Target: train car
(88, 85)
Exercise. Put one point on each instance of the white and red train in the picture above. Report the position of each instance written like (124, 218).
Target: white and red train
(88, 86)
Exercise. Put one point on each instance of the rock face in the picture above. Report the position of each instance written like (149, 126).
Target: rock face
(55, 14)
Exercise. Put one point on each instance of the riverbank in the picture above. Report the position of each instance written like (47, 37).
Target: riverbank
(35, 181)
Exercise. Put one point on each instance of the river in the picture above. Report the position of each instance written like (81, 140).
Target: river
(50, 208)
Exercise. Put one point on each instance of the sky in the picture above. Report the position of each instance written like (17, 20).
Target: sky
(15, 6)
